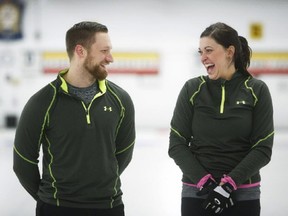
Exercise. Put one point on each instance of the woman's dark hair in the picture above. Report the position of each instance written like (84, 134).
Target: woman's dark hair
(82, 33)
(227, 36)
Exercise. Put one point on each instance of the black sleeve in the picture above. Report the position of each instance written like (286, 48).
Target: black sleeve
(262, 136)
(28, 139)
(27, 173)
(126, 134)
(181, 133)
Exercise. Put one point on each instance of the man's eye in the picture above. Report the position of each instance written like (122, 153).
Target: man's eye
(200, 52)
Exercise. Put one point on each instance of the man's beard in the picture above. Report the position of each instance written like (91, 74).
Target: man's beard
(98, 72)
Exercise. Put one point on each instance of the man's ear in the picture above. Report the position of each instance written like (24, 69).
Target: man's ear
(80, 51)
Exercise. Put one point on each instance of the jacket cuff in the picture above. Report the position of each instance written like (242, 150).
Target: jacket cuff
(228, 179)
(204, 180)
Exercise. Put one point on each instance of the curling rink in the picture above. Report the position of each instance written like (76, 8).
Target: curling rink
(152, 182)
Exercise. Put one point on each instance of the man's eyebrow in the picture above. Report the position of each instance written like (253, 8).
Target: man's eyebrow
(107, 47)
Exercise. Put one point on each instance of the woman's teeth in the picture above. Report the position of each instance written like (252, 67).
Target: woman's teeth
(208, 65)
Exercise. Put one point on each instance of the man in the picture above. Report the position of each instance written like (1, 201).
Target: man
(85, 125)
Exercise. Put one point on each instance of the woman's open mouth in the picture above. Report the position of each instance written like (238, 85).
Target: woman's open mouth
(209, 67)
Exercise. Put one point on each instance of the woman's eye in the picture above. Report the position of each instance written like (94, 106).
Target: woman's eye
(206, 51)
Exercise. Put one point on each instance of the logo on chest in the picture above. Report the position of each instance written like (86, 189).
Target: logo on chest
(107, 109)
(241, 102)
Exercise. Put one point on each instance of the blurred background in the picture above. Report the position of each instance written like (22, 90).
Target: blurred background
(155, 45)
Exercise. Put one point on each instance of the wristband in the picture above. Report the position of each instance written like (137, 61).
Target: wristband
(228, 179)
(204, 180)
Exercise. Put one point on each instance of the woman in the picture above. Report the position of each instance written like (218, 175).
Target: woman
(222, 129)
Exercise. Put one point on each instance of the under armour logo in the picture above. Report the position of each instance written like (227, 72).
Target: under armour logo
(240, 102)
(107, 109)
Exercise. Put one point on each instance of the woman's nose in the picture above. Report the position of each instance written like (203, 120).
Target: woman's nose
(203, 57)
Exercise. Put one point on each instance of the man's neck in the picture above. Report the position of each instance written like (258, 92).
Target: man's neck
(79, 78)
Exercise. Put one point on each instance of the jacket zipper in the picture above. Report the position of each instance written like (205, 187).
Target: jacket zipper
(87, 112)
(87, 109)
(222, 98)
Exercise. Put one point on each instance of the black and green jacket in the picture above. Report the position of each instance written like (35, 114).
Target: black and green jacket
(222, 127)
(85, 147)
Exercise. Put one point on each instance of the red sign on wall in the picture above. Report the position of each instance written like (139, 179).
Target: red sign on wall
(269, 63)
(138, 63)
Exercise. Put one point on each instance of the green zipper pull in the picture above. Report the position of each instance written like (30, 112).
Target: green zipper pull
(87, 112)
(222, 99)
(88, 118)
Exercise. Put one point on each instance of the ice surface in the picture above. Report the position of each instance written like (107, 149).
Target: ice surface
(152, 182)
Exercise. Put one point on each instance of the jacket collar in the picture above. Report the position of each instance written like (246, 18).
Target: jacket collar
(64, 86)
(221, 81)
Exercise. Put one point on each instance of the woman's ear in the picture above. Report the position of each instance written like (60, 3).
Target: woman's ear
(231, 51)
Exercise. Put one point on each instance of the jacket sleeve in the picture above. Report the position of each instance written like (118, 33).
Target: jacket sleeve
(126, 135)
(181, 134)
(27, 145)
(262, 136)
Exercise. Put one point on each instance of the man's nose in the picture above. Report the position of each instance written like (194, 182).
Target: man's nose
(110, 58)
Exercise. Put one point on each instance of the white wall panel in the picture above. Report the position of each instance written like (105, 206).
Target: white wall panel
(171, 28)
